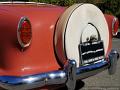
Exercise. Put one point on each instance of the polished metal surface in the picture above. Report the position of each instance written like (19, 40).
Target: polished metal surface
(67, 76)
(71, 75)
(113, 62)
(23, 2)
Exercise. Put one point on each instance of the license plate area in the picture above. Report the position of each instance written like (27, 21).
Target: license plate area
(91, 52)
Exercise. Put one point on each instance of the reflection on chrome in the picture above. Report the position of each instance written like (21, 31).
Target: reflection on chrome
(69, 75)
(30, 79)
(52, 75)
(55, 75)
(62, 75)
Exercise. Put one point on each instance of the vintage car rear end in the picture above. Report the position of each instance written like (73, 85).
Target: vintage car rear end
(43, 45)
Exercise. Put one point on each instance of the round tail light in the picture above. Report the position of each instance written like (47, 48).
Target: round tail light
(115, 26)
(24, 33)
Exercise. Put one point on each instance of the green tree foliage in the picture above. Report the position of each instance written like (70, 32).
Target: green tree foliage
(57, 2)
(110, 7)
(88, 1)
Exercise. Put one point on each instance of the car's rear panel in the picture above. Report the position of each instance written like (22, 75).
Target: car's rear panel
(39, 56)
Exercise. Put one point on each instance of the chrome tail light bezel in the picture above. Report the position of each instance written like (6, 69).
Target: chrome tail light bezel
(22, 19)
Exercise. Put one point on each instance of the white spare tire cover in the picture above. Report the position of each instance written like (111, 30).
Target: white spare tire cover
(75, 26)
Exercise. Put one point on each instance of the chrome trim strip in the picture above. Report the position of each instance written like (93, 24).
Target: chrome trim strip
(67, 76)
(20, 2)
(23, 2)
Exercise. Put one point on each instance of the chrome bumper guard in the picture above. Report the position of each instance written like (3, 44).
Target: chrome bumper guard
(67, 76)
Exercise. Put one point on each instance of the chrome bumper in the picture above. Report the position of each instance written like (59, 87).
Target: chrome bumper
(67, 76)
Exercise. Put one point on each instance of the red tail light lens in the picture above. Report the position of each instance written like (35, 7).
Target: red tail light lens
(115, 26)
(24, 33)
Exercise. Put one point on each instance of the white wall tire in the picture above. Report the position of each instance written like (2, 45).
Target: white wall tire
(72, 24)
